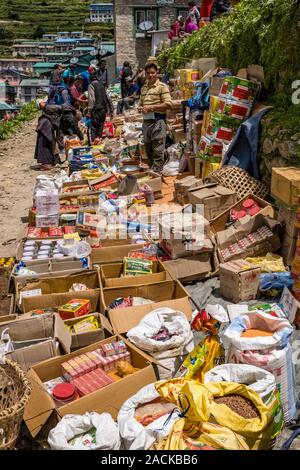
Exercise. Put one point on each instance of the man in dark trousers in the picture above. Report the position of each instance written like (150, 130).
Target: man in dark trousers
(99, 105)
(103, 73)
(126, 72)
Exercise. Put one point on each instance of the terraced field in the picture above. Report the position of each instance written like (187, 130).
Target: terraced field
(20, 18)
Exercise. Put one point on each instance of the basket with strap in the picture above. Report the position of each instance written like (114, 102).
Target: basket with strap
(14, 395)
(238, 180)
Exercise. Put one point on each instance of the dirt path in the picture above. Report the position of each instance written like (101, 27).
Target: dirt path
(16, 185)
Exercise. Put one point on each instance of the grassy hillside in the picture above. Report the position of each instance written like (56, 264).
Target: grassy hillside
(20, 18)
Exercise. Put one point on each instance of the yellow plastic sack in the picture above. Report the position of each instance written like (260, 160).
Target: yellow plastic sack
(269, 264)
(197, 403)
(208, 354)
(190, 436)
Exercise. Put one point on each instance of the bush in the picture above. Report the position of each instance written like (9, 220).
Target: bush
(9, 128)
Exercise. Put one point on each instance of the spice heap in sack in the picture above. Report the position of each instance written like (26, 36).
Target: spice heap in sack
(262, 340)
(225, 416)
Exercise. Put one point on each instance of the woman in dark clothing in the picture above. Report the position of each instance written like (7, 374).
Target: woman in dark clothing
(46, 152)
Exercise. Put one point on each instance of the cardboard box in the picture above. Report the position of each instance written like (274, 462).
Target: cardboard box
(220, 222)
(184, 235)
(59, 284)
(288, 248)
(35, 339)
(242, 229)
(56, 300)
(6, 319)
(287, 218)
(110, 276)
(184, 187)
(6, 305)
(215, 199)
(53, 268)
(151, 179)
(31, 355)
(107, 255)
(194, 268)
(108, 399)
(286, 186)
(239, 281)
(169, 294)
(81, 340)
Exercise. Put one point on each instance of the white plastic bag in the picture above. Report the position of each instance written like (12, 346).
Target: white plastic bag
(134, 435)
(91, 431)
(272, 353)
(171, 167)
(170, 352)
(78, 250)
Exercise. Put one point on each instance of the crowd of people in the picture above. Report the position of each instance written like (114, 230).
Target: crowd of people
(197, 17)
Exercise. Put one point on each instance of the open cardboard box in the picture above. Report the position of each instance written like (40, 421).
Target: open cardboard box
(53, 268)
(110, 276)
(81, 340)
(169, 294)
(61, 284)
(57, 300)
(193, 268)
(7, 304)
(219, 223)
(106, 400)
(7, 319)
(35, 339)
(242, 229)
(113, 251)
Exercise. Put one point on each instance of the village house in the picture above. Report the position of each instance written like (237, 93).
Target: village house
(141, 24)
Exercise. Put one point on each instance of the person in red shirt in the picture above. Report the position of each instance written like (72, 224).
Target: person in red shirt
(76, 91)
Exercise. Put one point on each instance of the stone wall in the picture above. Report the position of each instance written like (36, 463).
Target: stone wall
(128, 47)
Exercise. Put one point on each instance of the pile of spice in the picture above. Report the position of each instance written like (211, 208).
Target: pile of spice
(240, 405)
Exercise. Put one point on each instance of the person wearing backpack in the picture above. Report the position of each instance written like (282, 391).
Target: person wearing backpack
(99, 105)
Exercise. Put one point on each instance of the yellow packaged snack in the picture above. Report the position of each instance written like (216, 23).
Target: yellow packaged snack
(88, 324)
(269, 264)
(208, 354)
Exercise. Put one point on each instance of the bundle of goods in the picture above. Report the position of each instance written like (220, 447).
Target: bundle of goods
(46, 208)
(262, 340)
(86, 373)
(137, 267)
(124, 302)
(88, 432)
(166, 335)
(232, 107)
(51, 232)
(41, 250)
(221, 415)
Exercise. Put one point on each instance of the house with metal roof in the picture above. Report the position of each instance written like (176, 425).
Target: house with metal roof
(32, 88)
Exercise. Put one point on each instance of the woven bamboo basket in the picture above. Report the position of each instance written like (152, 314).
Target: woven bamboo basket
(14, 395)
(239, 181)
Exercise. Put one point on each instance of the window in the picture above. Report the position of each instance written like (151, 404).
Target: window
(143, 14)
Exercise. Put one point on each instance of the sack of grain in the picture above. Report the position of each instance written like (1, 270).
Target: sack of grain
(262, 340)
(257, 379)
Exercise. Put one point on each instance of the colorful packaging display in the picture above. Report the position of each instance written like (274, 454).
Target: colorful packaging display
(239, 89)
(233, 109)
(74, 308)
